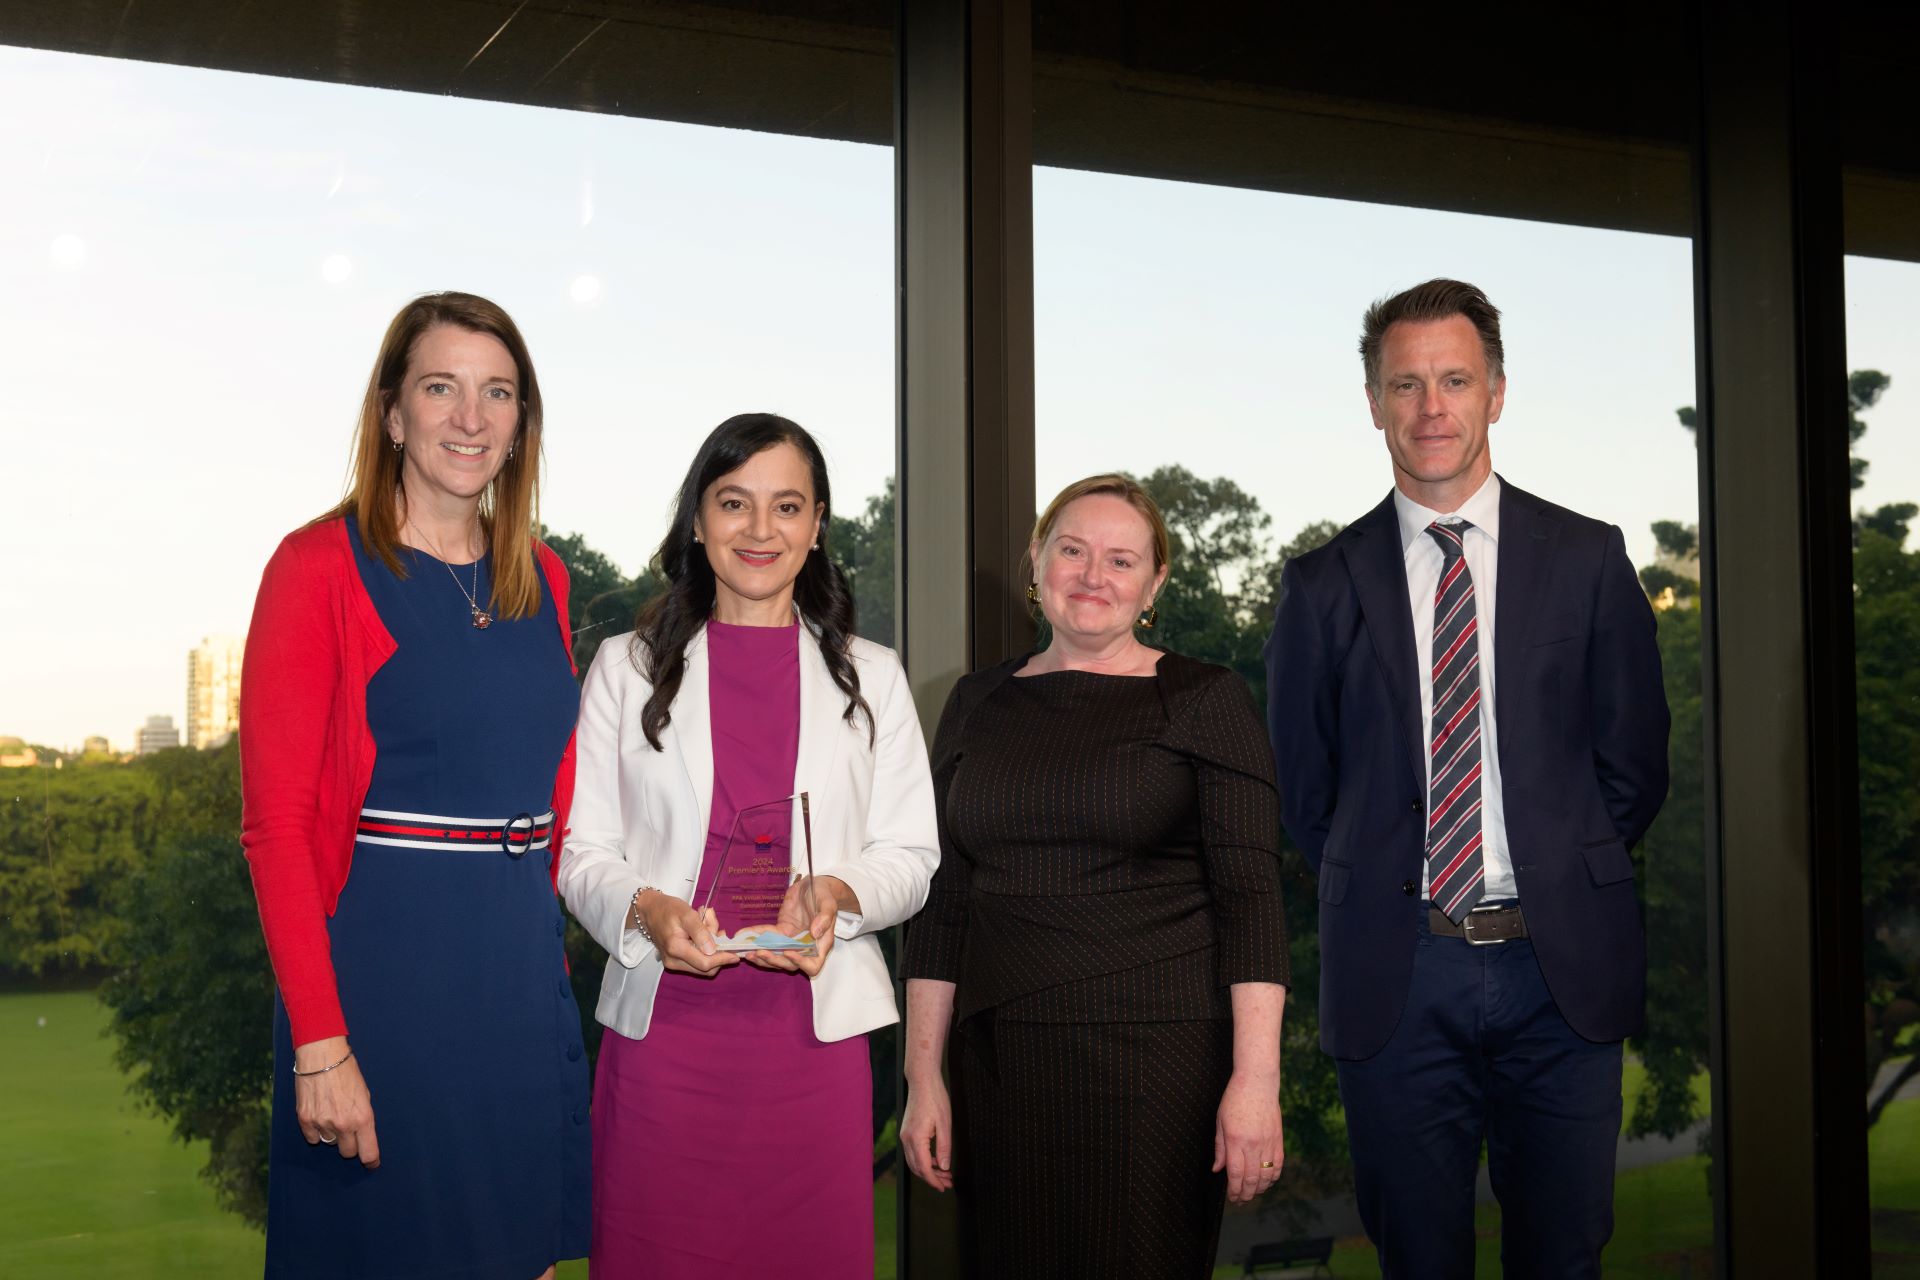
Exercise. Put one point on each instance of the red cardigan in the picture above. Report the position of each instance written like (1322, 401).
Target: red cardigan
(306, 753)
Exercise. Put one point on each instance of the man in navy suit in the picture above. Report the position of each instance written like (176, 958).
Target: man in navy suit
(1471, 731)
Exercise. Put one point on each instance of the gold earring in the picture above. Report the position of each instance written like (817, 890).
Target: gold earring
(1151, 616)
(1033, 593)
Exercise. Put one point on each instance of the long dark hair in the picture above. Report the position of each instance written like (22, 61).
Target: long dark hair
(667, 622)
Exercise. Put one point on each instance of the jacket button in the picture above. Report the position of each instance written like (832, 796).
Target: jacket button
(573, 1053)
(559, 927)
(1410, 887)
(1419, 805)
(566, 989)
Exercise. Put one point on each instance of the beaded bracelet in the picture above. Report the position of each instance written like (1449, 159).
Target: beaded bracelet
(320, 1071)
(633, 909)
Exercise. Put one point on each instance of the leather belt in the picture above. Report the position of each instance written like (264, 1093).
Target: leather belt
(1482, 926)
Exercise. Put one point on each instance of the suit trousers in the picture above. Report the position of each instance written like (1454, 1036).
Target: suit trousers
(1481, 1053)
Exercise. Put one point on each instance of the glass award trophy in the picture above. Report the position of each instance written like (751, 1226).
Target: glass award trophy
(761, 892)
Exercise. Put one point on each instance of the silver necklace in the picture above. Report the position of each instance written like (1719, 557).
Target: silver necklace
(481, 618)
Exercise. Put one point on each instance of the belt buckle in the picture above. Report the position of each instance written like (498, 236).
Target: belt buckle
(512, 842)
(1466, 927)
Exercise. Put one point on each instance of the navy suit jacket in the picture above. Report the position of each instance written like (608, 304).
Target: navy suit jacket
(1582, 719)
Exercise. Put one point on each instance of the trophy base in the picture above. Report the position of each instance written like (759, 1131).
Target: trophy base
(767, 940)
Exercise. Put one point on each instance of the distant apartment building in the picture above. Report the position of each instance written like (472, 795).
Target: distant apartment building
(96, 746)
(213, 690)
(157, 734)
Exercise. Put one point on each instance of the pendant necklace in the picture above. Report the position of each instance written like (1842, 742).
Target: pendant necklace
(481, 618)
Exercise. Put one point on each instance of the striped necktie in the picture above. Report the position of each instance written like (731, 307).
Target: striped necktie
(1456, 870)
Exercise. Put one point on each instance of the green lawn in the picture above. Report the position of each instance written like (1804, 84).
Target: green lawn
(93, 1188)
(90, 1185)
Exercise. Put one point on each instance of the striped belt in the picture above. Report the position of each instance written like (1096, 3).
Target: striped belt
(513, 836)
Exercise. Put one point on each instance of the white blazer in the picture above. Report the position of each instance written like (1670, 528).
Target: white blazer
(640, 817)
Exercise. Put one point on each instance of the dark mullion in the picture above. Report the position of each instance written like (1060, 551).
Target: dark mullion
(1788, 1066)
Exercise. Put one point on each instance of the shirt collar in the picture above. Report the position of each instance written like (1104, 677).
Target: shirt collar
(1482, 511)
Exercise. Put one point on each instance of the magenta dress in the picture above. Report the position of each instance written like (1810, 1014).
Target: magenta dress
(730, 1137)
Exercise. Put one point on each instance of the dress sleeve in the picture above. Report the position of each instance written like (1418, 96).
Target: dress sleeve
(595, 878)
(937, 937)
(291, 671)
(558, 585)
(1219, 730)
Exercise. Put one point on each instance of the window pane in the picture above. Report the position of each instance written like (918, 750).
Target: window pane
(198, 266)
(1883, 386)
(1201, 334)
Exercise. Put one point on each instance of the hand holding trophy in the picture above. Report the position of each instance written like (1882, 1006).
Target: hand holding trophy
(808, 910)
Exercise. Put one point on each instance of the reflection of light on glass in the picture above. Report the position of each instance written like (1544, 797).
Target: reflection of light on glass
(585, 289)
(336, 268)
(67, 252)
(339, 178)
(586, 202)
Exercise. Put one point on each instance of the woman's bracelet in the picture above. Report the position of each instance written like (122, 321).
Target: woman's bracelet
(633, 910)
(320, 1071)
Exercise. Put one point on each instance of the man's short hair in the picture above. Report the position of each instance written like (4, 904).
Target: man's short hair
(1434, 300)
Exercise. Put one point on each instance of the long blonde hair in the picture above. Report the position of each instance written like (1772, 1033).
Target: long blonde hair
(510, 504)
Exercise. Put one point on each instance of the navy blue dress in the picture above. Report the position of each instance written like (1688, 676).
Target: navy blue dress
(450, 969)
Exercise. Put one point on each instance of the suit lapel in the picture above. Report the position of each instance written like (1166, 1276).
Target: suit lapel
(1378, 566)
(693, 724)
(1529, 538)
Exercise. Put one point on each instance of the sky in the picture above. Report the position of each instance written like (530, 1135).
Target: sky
(196, 268)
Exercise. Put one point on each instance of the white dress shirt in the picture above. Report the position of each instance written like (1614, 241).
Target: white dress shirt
(1424, 561)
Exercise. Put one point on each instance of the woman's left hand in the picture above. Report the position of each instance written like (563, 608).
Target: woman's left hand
(831, 896)
(1247, 1138)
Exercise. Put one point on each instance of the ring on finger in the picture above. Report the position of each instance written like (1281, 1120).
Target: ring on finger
(329, 1141)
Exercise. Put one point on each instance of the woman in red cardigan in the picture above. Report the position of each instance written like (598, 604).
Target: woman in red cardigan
(406, 761)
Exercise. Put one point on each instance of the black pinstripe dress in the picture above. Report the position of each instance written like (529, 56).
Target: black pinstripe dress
(1109, 868)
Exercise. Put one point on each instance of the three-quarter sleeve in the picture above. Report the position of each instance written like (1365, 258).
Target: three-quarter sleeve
(1220, 731)
(291, 672)
(936, 938)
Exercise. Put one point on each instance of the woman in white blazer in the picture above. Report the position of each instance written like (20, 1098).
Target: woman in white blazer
(732, 1106)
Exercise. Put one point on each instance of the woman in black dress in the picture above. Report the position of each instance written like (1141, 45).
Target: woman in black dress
(1105, 934)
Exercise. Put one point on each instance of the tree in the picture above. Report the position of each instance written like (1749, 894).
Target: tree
(603, 601)
(1886, 635)
(863, 546)
(191, 998)
(1671, 861)
(1681, 541)
(1864, 389)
